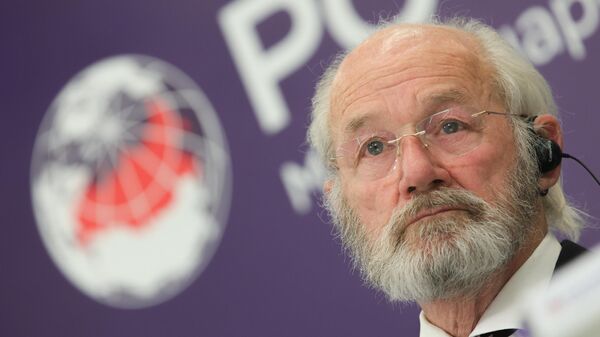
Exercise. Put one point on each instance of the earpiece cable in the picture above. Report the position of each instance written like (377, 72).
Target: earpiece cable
(566, 155)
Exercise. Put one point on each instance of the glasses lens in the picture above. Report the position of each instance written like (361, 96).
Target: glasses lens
(453, 131)
(370, 157)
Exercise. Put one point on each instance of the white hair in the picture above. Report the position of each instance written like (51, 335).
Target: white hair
(516, 81)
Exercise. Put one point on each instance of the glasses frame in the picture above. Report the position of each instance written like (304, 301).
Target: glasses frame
(421, 133)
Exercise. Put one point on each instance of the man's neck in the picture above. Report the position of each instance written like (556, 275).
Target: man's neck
(459, 316)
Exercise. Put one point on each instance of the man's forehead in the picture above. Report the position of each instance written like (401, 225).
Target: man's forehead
(391, 43)
(406, 50)
(396, 55)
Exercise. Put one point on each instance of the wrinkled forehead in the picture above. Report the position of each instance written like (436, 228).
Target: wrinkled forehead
(397, 43)
(395, 56)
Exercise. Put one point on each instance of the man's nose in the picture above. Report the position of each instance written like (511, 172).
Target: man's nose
(419, 170)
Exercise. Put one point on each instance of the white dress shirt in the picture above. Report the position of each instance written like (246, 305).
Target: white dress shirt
(507, 310)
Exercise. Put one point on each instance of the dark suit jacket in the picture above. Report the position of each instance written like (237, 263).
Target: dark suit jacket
(570, 250)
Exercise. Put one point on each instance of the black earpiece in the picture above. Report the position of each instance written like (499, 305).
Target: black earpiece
(548, 154)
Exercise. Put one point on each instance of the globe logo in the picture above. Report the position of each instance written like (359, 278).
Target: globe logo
(131, 181)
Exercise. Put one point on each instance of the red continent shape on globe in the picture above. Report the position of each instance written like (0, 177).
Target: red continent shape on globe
(142, 182)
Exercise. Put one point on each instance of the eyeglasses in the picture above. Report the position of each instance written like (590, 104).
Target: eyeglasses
(446, 135)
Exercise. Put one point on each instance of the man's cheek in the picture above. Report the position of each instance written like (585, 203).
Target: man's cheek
(364, 206)
(482, 175)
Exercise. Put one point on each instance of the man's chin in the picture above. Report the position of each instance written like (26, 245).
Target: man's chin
(437, 233)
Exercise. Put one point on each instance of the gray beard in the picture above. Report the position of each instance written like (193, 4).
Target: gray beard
(444, 256)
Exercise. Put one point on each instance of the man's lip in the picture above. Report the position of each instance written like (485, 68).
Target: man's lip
(433, 211)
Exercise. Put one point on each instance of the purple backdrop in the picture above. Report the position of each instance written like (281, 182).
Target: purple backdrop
(277, 270)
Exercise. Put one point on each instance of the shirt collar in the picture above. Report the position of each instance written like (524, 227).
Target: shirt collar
(507, 310)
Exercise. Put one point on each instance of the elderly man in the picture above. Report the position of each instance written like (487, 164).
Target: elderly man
(437, 138)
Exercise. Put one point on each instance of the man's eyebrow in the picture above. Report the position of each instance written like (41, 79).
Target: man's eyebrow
(357, 123)
(441, 98)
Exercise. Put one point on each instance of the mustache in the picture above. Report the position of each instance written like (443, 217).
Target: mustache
(443, 198)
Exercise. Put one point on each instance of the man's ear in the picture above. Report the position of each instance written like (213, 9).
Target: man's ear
(548, 127)
(327, 186)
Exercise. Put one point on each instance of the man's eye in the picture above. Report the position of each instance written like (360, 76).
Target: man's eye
(450, 127)
(375, 147)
